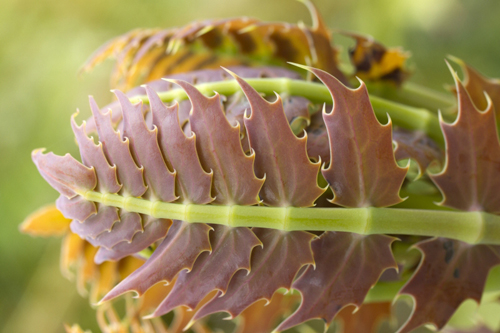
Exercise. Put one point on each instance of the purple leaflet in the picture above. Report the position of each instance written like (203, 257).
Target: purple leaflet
(178, 251)
(318, 146)
(76, 208)
(417, 146)
(234, 181)
(347, 266)
(93, 156)
(274, 266)
(193, 183)
(469, 181)
(97, 223)
(231, 248)
(144, 145)
(65, 174)
(362, 170)
(450, 272)
(118, 153)
(153, 231)
(270, 135)
(129, 225)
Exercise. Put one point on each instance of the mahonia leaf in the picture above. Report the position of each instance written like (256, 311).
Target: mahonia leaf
(76, 208)
(469, 180)
(230, 246)
(178, 251)
(65, 174)
(362, 170)
(367, 317)
(96, 224)
(93, 156)
(153, 231)
(417, 146)
(318, 146)
(192, 182)
(118, 153)
(450, 272)
(373, 61)
(129, 225)
(45, 221)
(347, 266)
(263, 316)
(274, 266)
(234, 181)
(477, 84)
(144, 145)
(275, 145)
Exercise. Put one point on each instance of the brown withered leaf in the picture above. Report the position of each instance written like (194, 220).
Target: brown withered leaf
(275, 145)
(262, 316)
(362, 170)
(469, 180)
(476, 85)
(373, 61)
(144, 55)
(450, 272)
(366, 319)
(45, 221)
(348, 265)
(273, 266)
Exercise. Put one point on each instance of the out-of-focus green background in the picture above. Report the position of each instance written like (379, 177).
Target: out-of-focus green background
(42, 45)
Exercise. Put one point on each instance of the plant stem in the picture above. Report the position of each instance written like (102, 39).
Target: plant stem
(470, 227)
(403, 115)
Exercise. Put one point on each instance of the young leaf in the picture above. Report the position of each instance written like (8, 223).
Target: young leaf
(230, 246)
(76, 208)
(144, 146)
(362, 170)
(347, 266)
(469, 180)
(96, 224)
(178, 251)
(449, 273)
(274, 266)
(234, 181)
(270, 135)
(129, 225)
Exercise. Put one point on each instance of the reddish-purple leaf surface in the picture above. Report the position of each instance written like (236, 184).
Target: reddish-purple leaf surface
(273, 266)
(124, 230)
(231, 249)
(362, 170)
(65, 174)
(234, 181)
(76, 208)
(144, 145)
(469, 181)
(450, 272)
(96, 224)
(118, 153)
(275, 145)
(193, 183)
(417, 146)
(347, 266)
(153, 231)
(178, 251)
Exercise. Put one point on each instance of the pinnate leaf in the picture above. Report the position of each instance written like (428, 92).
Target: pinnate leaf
(362, 170)
(367, 318)
(96, 224)
(450, 272)
(347, 266)
(469, 180)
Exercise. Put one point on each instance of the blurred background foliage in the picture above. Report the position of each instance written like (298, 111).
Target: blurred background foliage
(43, 44)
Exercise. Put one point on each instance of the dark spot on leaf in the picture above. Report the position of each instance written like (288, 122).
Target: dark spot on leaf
(456, 273)
(448, 247)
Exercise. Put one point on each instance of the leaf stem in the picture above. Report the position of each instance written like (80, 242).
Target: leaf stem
(403, 115)
(470, 227)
